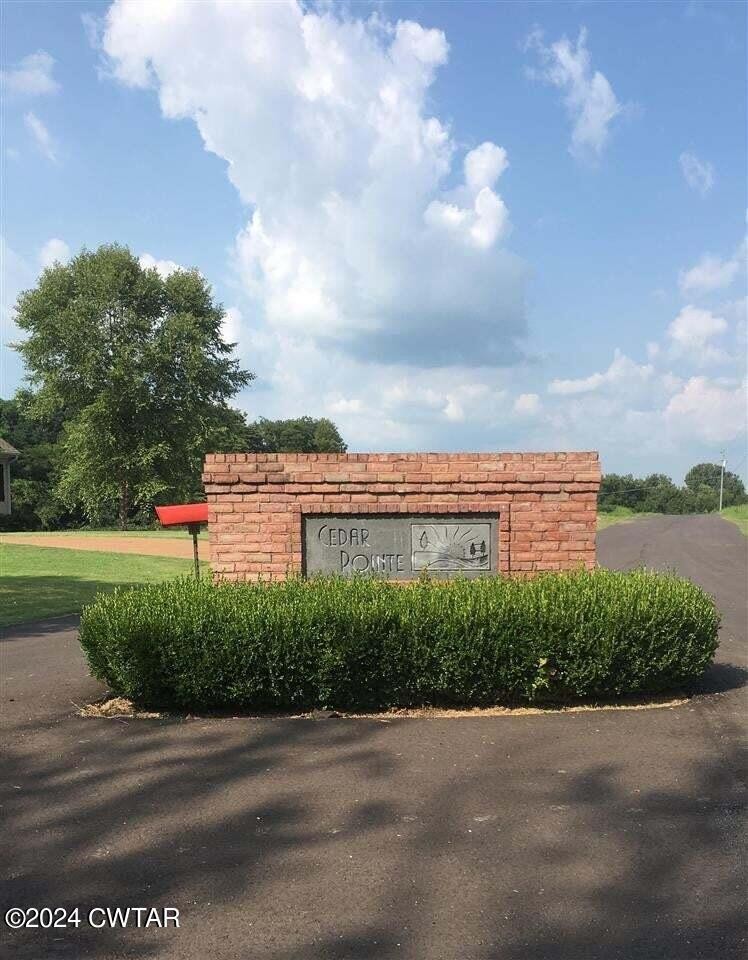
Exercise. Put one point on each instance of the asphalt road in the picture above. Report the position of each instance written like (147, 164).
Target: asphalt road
(607, 835)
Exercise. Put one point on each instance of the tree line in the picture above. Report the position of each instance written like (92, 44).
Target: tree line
(658, 494)
(129, 385)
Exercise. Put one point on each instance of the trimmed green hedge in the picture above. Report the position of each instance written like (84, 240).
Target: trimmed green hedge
(366, 643)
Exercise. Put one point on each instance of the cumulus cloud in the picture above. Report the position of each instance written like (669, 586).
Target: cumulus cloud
(473, 211)
(232, 327)
(42, 136)
(712, 273)
(162, 267)
(698, 174)
(53, 251)
(379, 288)
(527, 405)
(31, 77)
(588, 96)
(621, 371)
(714, 412)
(693, 329)
(484, 166)
(358, 239)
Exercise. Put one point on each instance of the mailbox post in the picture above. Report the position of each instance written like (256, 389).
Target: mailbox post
(190, 515)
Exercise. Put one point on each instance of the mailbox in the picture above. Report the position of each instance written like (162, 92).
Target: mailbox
(182, 514)
(190, 515)
(7, 455)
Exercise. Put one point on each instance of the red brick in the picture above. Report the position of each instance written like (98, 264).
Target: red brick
(216, 508)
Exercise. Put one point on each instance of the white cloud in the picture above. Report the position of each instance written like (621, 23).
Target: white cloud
(699, 174)
(527, 405)
(473, 212)
(736, 313)
(711, 273)
(484, 166)
(32, 76)
(692, 330)
(52, 251)
(382, 406)
(622, 371)
(355, 240)
(337, 403)
(462, 400)
(379, 290)
(17, 275)
(162, 267)
(231, 329)
(41, 135)
(589, 98)
(671, 383)
(712, 411)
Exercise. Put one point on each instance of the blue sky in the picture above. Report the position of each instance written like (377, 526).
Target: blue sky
(446, 226)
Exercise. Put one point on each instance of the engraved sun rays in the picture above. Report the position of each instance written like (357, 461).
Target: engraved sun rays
(451, 546)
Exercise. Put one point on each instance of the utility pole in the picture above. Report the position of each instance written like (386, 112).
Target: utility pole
(722, 480)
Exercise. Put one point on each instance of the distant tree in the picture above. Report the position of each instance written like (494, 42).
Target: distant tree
(658, 494)
(138, 365)
(327, 439)
(620, 491)
(706, 476)
(661, 495)
(301, 435)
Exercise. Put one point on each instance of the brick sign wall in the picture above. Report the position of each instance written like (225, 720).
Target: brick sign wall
(397, 514)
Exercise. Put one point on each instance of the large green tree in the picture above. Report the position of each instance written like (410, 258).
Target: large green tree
(138, 364)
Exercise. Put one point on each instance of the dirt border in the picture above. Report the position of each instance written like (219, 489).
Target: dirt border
(103, 543)
(120, 708)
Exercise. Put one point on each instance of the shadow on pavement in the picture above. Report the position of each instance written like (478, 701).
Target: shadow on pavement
(536, 864)
(145, 816)
(722, 677)
(656, 889)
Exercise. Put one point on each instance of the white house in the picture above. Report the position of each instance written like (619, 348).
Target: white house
(7, 455)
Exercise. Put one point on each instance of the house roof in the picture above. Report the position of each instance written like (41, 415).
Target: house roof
(7, 452)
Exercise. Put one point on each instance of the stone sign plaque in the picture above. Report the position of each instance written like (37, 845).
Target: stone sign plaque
(401, 546)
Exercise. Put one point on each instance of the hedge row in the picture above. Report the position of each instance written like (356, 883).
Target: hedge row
(366, 643)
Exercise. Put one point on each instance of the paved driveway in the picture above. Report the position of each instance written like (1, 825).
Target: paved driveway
(606, 835)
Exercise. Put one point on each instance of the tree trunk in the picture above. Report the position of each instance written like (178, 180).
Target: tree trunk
(124, 504)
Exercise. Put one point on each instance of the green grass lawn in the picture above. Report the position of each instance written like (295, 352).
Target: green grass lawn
(738, 515)
(617, 515)
(38, 582)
